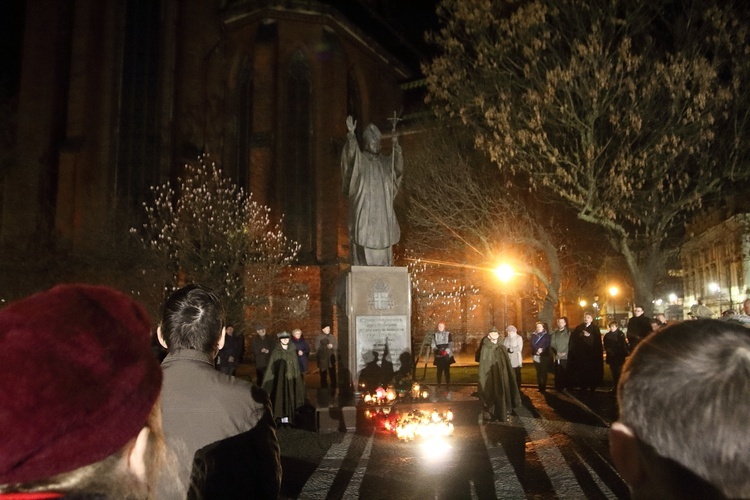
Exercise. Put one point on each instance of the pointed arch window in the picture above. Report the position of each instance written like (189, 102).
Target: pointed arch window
(138, 137)
(244, 127)
(298, 181)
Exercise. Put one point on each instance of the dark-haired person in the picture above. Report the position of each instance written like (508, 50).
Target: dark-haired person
(230, 356)
(639, 327)
(88, 424)
(216, 424)
(616, 349)
(684, 398)
(586, 355)
(540, 343)
(302, 348)
(262, 346)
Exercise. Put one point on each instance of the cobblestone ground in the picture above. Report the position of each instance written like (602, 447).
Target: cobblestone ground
(554, 446)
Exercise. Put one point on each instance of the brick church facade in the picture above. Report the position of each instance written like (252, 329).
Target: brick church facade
(117, 96)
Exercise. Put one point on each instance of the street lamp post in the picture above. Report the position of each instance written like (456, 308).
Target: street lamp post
(715, 288)
(613, 291)
(504, 273)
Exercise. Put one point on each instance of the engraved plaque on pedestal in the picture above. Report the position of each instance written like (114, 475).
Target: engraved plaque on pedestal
(377, 318)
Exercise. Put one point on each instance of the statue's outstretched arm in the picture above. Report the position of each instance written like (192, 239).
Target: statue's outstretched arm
(398, 163)
(348, 154)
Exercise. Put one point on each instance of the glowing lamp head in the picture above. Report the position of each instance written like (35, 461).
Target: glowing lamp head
(504, 272)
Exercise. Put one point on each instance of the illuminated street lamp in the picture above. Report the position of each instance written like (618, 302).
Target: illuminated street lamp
(715, 288)
(504, 273)
(582, 303)
(613, 291)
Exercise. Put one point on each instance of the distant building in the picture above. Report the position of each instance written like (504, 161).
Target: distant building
(716, 260)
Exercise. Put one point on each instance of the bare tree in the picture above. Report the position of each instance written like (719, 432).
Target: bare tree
(205, 229)
(461, 205)
(632, 112)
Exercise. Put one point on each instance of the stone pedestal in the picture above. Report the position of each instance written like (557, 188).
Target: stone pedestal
(374, 321)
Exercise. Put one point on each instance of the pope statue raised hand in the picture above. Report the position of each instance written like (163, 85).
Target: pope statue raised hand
(371, 181)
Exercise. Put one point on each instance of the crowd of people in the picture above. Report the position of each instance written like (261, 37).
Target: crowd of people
(683, 395)
(106, 419)
(576, 356)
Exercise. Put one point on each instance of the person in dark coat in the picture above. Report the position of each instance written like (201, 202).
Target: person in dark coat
(302, 348)
(210, 417)
(639, 327)
(497, 384)
(326, 349)
(262, 347)
(230, 356)
(586, 355)
(540, 351)
(616, 349)
(283, 381)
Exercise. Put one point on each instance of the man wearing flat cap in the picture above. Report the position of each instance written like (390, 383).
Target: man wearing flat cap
(87, 425)
(262, 346)
(220, 424)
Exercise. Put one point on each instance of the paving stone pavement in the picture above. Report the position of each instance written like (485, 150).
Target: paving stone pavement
(554, 446)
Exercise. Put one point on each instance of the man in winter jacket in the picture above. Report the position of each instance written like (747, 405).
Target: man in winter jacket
(219, 427)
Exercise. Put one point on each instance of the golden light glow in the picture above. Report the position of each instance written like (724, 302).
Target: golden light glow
(504, 272)
(418, 424)
(613, 291)
(582, 303)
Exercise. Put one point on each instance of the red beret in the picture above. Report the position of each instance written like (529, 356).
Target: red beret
(77, 379)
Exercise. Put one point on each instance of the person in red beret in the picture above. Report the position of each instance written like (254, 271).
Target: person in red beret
(88, 424)
(220, 427)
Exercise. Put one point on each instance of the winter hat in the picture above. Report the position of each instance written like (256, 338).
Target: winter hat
(512, 329)
(283, 335)
(78, 379)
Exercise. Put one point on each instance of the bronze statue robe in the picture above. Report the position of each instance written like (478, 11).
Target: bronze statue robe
(371, 182)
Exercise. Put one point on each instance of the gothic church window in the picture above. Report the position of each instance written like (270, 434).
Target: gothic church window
(138, 139)
(298, 180)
